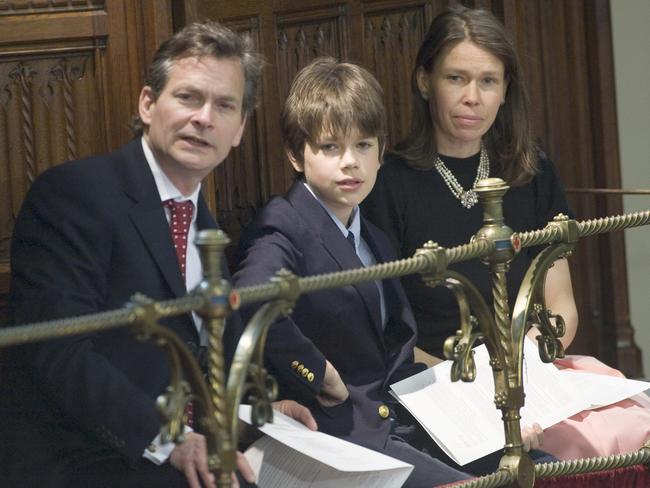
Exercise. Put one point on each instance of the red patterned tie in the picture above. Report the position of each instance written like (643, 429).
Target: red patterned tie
(179, 224)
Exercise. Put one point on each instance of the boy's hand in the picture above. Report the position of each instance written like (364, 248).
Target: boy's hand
(297, 412)
(333, 391)
(532, 437)
(419, 356)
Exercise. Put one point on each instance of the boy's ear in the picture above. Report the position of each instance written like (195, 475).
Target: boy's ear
(297, 165)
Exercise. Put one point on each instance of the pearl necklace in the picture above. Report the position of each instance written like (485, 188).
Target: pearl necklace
(467, 198)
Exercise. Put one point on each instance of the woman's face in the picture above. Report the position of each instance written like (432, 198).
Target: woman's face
(465, 90)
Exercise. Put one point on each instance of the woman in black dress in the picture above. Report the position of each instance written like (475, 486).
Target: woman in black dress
(470, 121)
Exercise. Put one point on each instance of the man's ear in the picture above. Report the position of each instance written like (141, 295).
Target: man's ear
(297, 165)
(240, 132)
(146, 105)
(422, 78)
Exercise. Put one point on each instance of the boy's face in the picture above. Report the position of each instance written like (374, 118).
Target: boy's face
(340, 170)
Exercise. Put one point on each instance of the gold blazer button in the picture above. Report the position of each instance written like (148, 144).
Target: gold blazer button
(384, 412)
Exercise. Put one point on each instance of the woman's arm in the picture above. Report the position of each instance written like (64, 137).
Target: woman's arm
(559, 300)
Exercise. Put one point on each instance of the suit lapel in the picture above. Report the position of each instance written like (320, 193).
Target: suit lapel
(204, 219)
(148, 215)
(337, 246)
(393, 297)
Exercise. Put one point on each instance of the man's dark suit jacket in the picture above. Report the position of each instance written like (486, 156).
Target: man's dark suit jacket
(342, 325)
(90, 234)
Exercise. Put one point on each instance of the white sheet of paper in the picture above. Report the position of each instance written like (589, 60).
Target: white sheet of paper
(292, 455)
(463, 420)
(604, 390)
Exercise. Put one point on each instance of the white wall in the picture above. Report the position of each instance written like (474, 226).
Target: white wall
(631, 38)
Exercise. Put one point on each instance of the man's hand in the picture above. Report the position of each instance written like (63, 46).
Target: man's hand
(297, 412)
(333, 391)
(532, 437)
(191, 457)
(245, 469)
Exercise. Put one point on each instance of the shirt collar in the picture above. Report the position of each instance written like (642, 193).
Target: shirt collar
(355, 219)
(166, 188)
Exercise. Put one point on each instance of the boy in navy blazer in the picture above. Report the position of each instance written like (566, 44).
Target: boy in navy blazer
(340, 349)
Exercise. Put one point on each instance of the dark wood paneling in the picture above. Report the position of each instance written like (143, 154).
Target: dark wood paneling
(49, 91)
(70, 75)
(602, 99)
(566, 55)
(71, 71)
(390, 28)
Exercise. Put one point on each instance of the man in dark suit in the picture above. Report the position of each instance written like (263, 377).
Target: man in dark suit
(340, 349)
(80, 411)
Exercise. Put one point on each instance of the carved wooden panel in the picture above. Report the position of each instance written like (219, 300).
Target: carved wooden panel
(232, 188)
(46, 116)
(43, 6)
(391, 41)
(301, 37)
(47, 95)
(304, 36)
(70, 74)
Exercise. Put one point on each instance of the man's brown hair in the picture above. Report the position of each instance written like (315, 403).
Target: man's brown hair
(202, 39)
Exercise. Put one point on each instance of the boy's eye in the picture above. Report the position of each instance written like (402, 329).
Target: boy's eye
(328, 146)
(365, 144)
(455, 78)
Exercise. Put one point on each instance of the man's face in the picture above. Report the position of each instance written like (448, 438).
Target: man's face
(196, 119)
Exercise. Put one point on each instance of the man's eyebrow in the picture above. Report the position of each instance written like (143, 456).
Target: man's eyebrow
(227, 98)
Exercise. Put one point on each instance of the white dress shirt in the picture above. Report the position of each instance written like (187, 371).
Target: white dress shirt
(159, 452)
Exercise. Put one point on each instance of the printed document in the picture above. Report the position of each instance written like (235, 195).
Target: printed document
(463, 420)
(291, 455)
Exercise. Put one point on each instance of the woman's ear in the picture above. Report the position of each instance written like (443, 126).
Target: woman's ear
(422, 78)
(506, 82)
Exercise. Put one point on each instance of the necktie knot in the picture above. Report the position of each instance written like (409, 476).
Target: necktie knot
(180, 209)
(179, 223)
(350, 238)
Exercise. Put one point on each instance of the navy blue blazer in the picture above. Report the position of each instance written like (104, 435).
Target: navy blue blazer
(343, 325)
(90, 234)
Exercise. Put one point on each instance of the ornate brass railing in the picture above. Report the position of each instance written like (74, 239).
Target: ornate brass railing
(503, 333)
